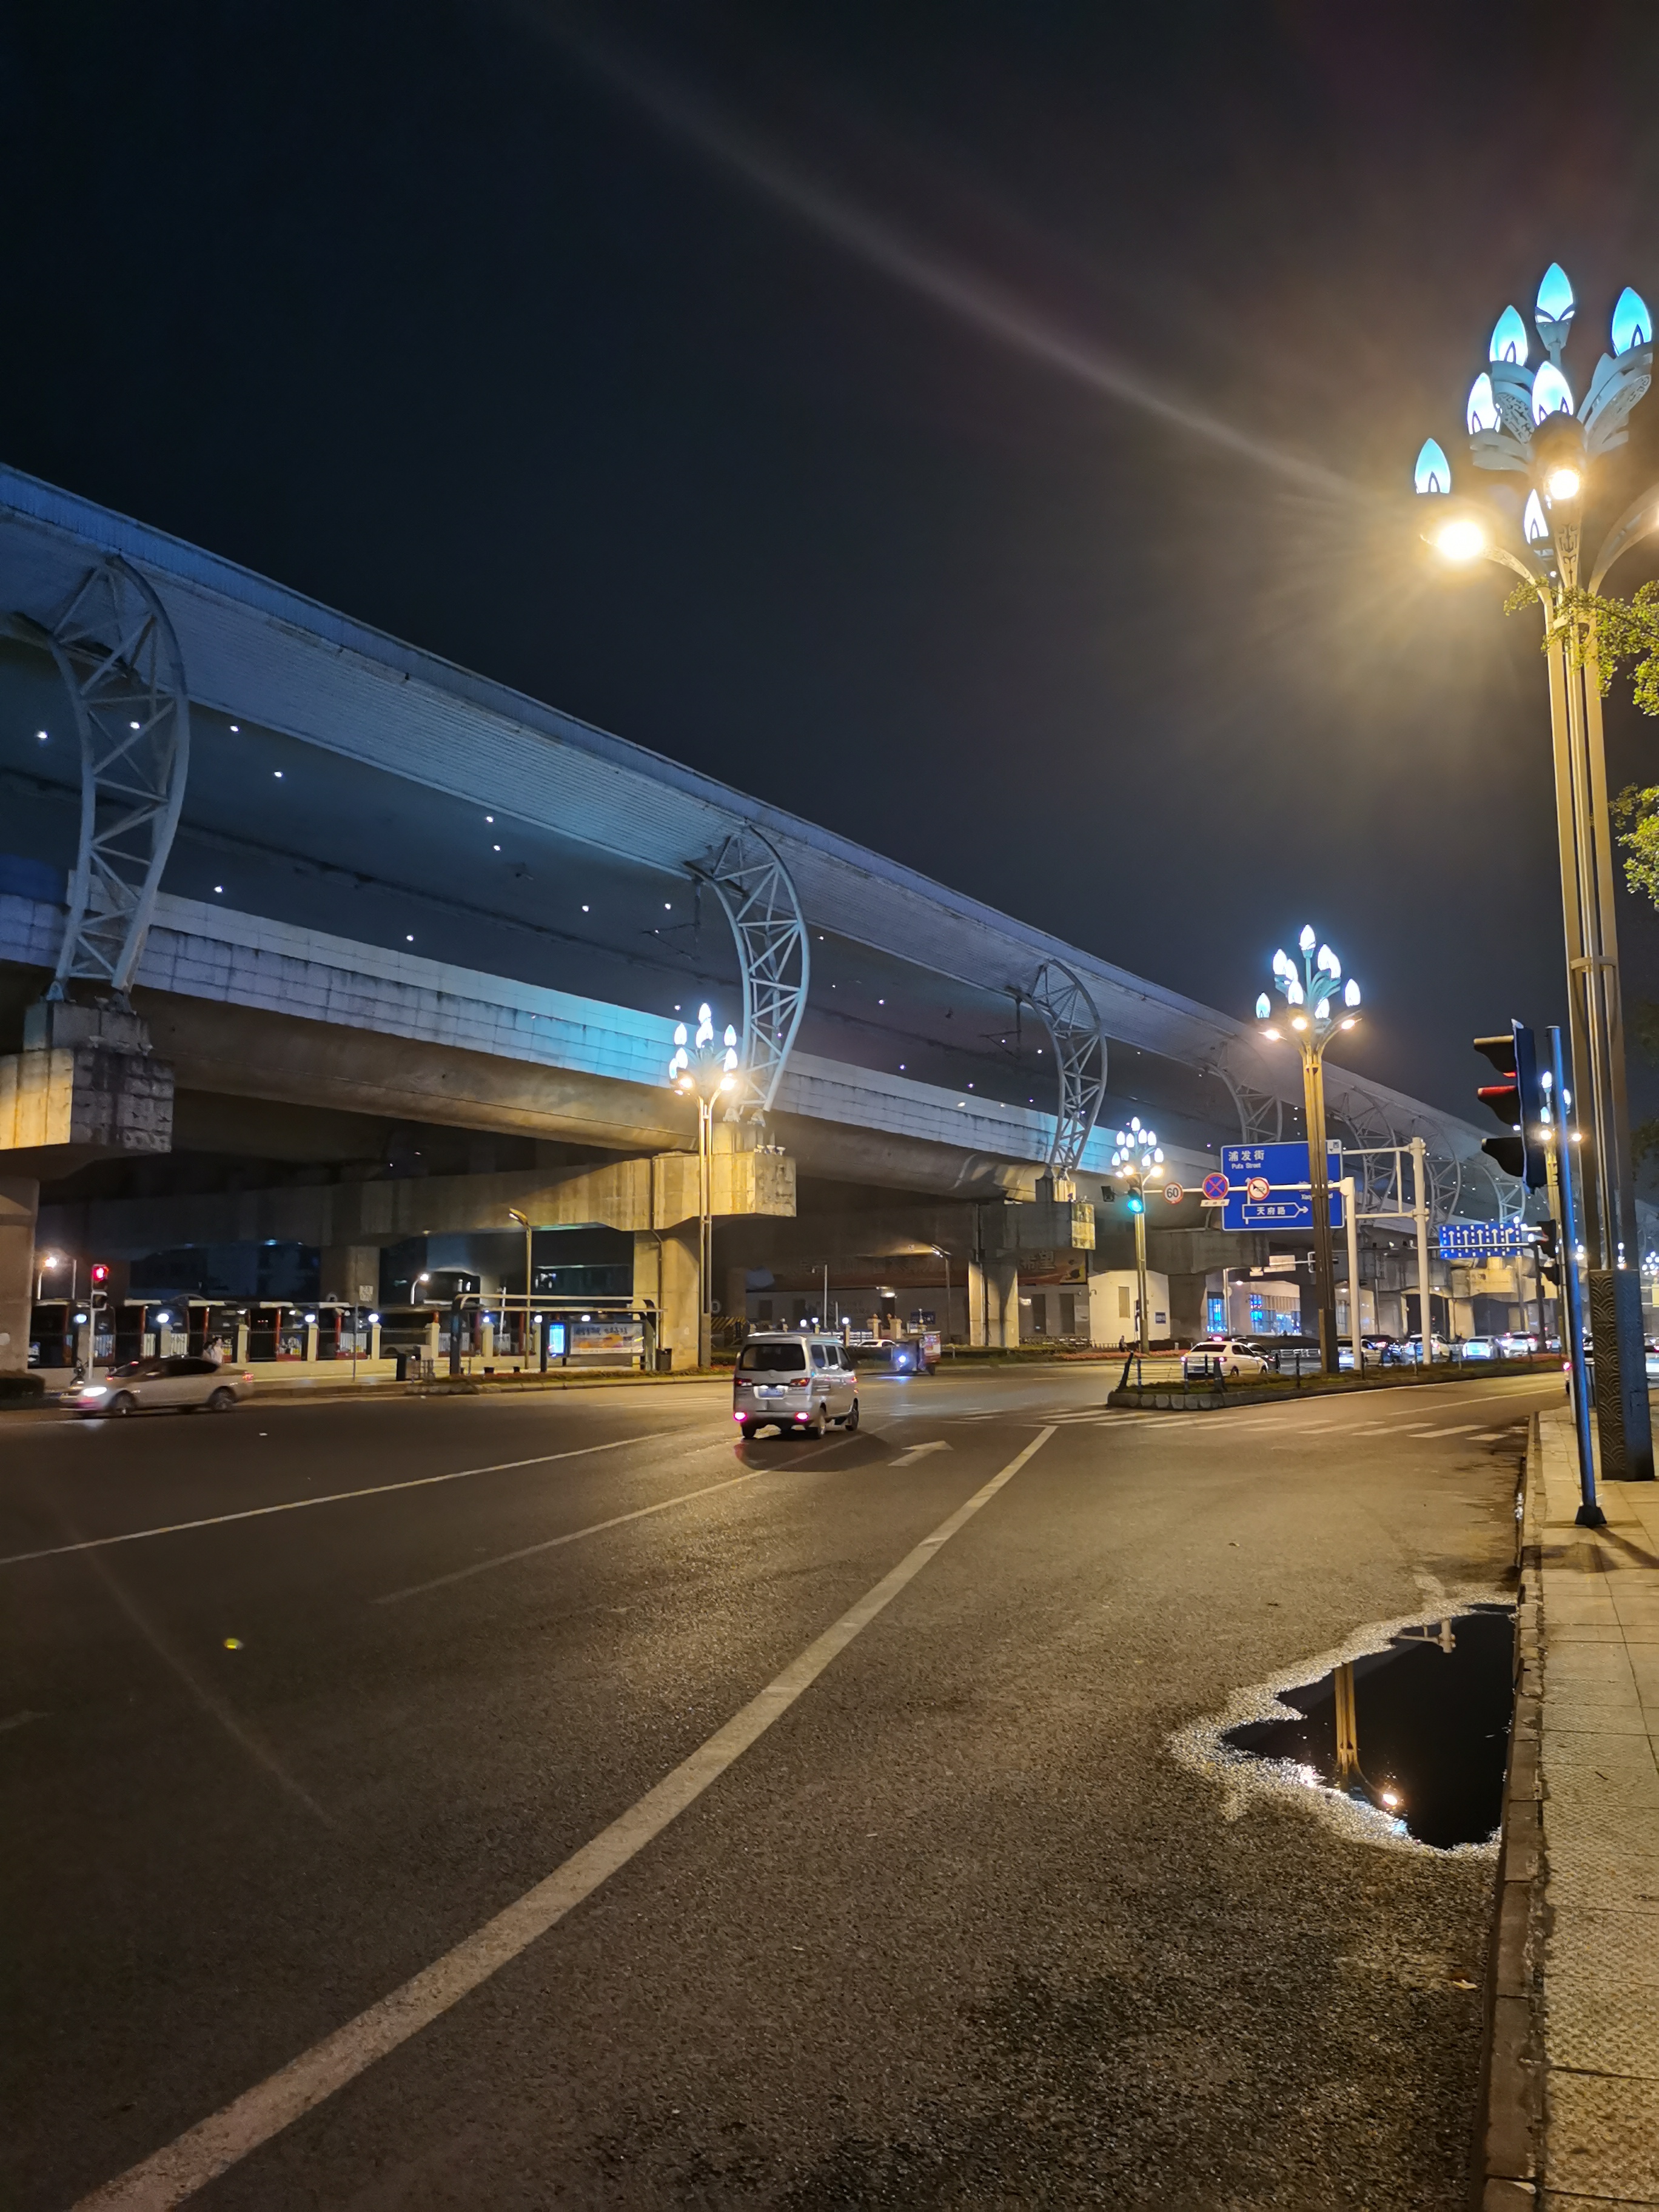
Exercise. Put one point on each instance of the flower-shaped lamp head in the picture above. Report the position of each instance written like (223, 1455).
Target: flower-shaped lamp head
(1433, 475)
(1633, 325)
(1509, 338)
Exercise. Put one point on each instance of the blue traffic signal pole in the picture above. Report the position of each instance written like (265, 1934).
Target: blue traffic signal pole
(1589, 1514)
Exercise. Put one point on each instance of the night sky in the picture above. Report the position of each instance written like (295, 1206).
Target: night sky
(980, 427)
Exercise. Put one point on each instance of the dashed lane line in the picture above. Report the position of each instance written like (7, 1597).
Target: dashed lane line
(333, 1498)
(192, 2160)
(572, 1537)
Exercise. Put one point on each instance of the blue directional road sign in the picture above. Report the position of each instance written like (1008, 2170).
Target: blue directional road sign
(1474, 1239)
(1288, 1202)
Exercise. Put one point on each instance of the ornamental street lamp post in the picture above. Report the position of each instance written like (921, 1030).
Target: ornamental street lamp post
(1138, 1153)
(523, 1221)
(1524, 423)
(1558, 1134)
(1312, 1023)
(945, 1334)
(705, 1071)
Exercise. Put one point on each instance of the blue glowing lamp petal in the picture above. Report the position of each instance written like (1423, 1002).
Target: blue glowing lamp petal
(1551, 393)
(1555, 299)
(1433, 469)
(1483, 407)
(1533, 522)
(1307, 940)
(1509, 338)
(1633, 325)
(1350, 994)
(1263, 1007)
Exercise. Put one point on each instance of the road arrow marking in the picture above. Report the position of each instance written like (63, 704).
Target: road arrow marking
(919, 1451)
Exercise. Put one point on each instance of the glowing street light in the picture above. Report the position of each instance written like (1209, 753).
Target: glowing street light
(1528, 425)
(1319, 1002)
(705, 1071)
(1138, 1154)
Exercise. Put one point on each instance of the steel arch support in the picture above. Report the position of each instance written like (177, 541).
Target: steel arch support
(1260, 1114)
(758, 899)
(1069, 1015)
(1373, 1135)
(121, 663)
(1445, 1180)
(1509, 1192)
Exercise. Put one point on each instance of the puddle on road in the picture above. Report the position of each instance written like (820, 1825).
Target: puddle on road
(1401, 1737)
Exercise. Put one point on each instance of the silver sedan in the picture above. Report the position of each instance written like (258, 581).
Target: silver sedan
(141, 1384)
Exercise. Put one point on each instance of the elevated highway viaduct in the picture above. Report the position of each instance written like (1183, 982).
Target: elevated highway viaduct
(313, 944)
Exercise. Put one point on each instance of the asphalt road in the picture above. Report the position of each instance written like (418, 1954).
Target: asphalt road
(942, 1923)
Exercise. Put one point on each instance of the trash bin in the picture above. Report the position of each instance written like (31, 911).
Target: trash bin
(665, 1359)
(405, 1361)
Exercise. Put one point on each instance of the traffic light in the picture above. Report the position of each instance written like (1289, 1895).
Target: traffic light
(1517, 1102)
(1547, 1252)
(1135, 1202)
(99, 1282)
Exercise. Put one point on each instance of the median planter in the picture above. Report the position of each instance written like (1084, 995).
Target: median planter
(1209, 1395)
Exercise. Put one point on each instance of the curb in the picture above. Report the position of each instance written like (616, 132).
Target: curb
(1510, 2109)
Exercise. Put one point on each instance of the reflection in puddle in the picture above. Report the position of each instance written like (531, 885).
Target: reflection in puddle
(1414, 1735)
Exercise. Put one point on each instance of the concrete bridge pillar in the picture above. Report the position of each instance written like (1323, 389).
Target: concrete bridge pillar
(993, 1302)
(19, 1199)
(350, 1272)
(665, 1269)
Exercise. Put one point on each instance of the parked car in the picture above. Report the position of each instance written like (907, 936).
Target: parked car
(1517, 1343)
(795, 1382)
(1411, 1351)
(142, 1385)
(1223, 1355)
(1477, 1347)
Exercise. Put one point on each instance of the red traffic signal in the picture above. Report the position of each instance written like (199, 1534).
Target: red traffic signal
(99, 1273)
(1517, 1102)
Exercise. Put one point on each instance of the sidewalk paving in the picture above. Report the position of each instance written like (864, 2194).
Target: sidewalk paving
(1598, 2019)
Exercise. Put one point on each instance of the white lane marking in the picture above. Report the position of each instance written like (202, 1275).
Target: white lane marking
(177, 2171)
(576, 1536)
(919, 1451)
(19, 1720)
(334, 1497)
(1462, 1429)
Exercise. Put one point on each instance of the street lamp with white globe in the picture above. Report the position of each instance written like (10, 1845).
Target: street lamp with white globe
(1556, 511)
(1138, 1155)
(1318, 1005)
(706, 1071)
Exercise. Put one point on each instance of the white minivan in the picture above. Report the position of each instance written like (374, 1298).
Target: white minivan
(795, 1382)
